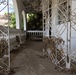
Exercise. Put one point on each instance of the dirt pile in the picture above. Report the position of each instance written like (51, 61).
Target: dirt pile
(52, 47)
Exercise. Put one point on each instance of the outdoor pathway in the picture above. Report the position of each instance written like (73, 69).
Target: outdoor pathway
(29, 61)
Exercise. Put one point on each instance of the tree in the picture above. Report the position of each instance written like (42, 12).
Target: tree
(34, 21)
(12, 20)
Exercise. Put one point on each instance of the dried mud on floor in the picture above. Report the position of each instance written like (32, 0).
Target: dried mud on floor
(28, 60)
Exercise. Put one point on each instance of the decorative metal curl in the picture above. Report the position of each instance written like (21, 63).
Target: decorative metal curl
(3, 2)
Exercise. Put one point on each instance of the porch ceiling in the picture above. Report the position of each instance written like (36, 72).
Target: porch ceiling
(32, 5)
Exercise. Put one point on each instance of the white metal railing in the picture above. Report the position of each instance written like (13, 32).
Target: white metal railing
(35, 32)
(65, 12)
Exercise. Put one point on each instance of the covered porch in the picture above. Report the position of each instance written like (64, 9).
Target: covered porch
(58, 20)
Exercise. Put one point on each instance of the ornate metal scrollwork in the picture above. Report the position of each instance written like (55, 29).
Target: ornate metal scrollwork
(4, 2)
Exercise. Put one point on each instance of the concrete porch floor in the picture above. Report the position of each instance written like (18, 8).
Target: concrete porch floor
(28, 60)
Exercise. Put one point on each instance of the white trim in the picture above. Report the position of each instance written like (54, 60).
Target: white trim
(24, 19)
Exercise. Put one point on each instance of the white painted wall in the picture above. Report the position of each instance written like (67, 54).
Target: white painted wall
(73, 37)
(54, 24)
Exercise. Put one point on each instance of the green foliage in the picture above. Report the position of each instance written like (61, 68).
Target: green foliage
(5, 13)
(31, 16)
(34, 21)
(12, 20)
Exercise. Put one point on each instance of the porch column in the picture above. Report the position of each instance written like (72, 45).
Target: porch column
(45, 17)
(24, 19)
(54, 17)
(16, 14)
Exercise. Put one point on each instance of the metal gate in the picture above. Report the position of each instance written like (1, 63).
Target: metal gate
(59, 18)
(4, 41)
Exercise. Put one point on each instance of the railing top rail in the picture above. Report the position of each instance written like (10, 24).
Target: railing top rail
(35, 31)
